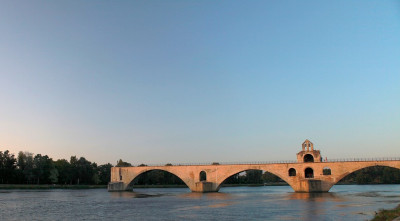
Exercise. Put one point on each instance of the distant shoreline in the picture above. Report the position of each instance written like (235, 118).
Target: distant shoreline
(50, 186)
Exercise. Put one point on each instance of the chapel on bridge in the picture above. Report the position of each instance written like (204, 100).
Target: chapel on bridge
(308, 154)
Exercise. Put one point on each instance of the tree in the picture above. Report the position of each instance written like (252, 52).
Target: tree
(374, 175)
(268, 177)
(74, 169)
(42, 167)
(84, 170)
(253, 176)
(104, 172)
(25, 167)
(121, 163)
(64, 169)
(8, 165)
(53, 177)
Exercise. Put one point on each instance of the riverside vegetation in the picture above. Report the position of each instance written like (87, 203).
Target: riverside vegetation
(33, 170)
(384, 214)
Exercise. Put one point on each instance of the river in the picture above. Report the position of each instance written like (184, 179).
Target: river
(343, 202)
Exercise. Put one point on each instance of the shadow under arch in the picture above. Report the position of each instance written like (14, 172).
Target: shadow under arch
(381, 173)
(237, 173)
(156, 177)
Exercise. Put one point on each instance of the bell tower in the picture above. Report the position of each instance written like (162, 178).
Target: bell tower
(308, 154)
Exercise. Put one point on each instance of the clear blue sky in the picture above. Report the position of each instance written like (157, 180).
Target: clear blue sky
(199, 81)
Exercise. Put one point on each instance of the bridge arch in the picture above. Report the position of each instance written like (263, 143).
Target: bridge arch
(203, 176)
(308, 158)
(309, 172)
(234, 172)
(349, 172)
(130, 186)
(292, 172)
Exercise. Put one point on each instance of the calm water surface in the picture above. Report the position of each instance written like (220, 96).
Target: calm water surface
(344, 202)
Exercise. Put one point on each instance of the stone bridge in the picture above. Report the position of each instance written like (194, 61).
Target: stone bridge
(309, 174)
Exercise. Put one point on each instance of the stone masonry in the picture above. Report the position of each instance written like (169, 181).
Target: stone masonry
(306, 175)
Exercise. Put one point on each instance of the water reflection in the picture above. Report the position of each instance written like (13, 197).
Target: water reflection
(128, 194)
(317, 197)
(234, 203)
(209, 196)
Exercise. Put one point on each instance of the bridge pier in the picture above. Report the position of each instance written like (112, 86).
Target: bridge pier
(204, 187)
(311, 186)
(116, 186)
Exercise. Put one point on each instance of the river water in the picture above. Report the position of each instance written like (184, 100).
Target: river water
(343, 202)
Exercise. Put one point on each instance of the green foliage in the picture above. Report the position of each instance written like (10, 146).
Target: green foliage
(374, 175)
(268, 177)
(25, 167)
(158, 177)
(95, 178)
(384, 215)
(39, 169)
(104, 173)
(8, 164)
(121, 163)
(64, 171)
(53, 177)
(42, 165)
(253, 177)
(83, 170)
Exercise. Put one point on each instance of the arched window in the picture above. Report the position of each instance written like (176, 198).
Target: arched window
(308, 158)
(326, 171)
(203, 176)
(292, 172)
(309, 172)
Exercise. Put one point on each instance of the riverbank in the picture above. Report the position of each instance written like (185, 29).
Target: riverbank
(50, 186)
(391, 214)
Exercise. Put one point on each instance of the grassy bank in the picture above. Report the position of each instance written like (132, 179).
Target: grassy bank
(49, 186)
(390, 214)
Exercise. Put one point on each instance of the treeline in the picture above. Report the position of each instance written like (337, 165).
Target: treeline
(27, 168)
(253, 177)
(373, 175)
(158, 177)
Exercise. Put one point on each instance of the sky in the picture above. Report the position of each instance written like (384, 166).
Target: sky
(199, 81)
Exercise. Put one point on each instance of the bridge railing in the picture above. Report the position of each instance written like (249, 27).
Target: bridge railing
(225, 163)
(364, 159)
(278, 162)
